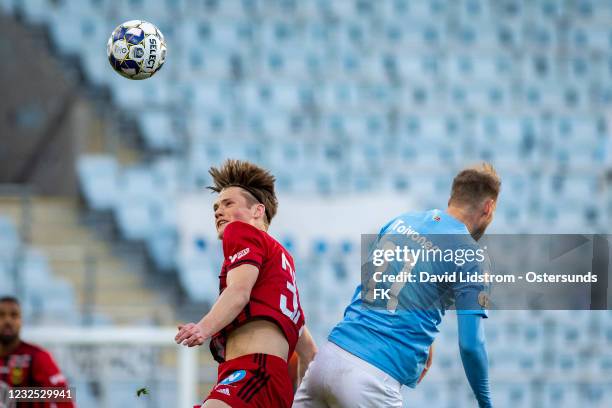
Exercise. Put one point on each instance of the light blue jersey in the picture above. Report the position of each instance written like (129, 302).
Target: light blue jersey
(395, 334)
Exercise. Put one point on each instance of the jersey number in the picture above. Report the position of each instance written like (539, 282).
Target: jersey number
(396, 287)
(294, 313)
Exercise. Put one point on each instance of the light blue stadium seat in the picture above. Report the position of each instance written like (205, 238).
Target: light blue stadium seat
(9, 240)
(162, 247)
(541, 36)
(475, 11)
(210, 95)
(230, 33)
(164, 209)
(281, 33)
(157, 130)
(198, 274)
(136, 96)
(67, 26)
(417, 67)
(592, 38)
(7, 278)
(37, 11)
(210, 125)
(6, 6)
(133, 208)
(134, 218)
(541, 68)
(479, 97)
(579, 128)
(483, 69)
(35, 268)
(549, 10)
(59, 301)
(168, 173)
(137, 182)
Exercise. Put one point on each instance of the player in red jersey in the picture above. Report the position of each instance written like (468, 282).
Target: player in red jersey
(257, 321)
(23, 364)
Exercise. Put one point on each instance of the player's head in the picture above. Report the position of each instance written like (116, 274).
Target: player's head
(10, 320)
(246, 193)
(474, 195)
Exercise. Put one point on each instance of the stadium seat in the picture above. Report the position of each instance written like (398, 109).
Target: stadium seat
(158, 132)
(161, 246)
(134, 218)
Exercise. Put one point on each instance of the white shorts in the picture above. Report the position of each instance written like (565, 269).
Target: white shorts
(339, 379)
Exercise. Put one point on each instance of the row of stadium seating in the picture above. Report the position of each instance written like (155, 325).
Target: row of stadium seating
(470, 10)
(358, 36)
(25, 272)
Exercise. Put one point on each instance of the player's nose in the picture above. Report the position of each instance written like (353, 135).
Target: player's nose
(218, 213)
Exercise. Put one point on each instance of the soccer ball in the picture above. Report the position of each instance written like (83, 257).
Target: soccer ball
(136, 49)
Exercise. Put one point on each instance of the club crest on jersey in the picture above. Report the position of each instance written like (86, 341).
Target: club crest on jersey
(17, 375)
(234, 377)
(239, 255)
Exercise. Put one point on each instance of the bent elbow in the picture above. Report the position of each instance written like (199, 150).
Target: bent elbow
(471, 349)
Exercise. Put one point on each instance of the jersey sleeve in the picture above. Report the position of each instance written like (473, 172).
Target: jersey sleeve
(46, 373)
(242, 243)
(472, 297)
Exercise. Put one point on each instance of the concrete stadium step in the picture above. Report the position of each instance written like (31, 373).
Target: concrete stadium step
(74, 249)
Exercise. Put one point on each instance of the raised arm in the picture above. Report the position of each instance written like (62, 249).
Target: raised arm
(240, 282)
(472, 347)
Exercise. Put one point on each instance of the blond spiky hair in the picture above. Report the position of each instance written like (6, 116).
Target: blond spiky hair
(256, 181)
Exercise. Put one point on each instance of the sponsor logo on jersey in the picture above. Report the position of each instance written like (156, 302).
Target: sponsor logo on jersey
(224, 391)
(233, 377)
(57, 379)
(437, 218)
(239, 255)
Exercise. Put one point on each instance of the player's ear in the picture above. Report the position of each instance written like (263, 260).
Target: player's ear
(489, 206)
(260, 210)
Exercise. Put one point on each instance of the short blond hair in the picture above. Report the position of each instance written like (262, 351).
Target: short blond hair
(474, 184)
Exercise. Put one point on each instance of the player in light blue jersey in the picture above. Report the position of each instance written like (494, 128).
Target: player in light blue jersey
(386, 341)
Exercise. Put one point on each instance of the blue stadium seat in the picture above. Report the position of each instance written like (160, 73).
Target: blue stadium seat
(588, 37)
(168, 174)
(6, 6)
(198, 271)
(158, 132)
(98, 178)
(9, 240)
(162, 246)
(36, 10)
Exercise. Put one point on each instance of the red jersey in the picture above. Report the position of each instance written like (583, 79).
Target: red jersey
(274, 296)
(32, 366)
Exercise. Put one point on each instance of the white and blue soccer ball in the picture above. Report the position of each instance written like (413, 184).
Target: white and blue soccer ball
(136, 49)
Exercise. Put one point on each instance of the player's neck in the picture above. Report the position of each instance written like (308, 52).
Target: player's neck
(6, 349)
(461, 215)
(259, 225)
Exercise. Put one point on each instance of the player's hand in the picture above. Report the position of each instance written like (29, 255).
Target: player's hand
(427, 363)
(190, 335)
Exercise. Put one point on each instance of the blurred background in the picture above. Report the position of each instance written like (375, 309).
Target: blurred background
(361, 108)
